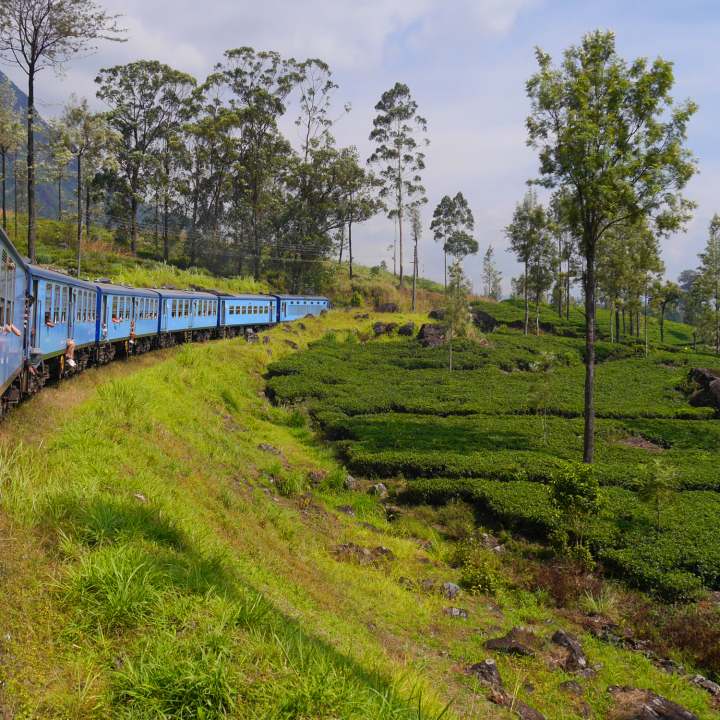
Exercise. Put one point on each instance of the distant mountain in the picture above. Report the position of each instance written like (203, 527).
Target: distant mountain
(47, 194)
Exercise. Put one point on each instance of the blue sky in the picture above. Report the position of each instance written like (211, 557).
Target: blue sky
(466, 62)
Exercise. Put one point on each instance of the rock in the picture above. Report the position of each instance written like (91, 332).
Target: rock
(387, 308)
(252, 337)
(516, 642)
(302, 325)
(431, 335)
(708, 392)
(487, 673)
(572, 687)
(292, 344)
(712, 687)
(456, 612)
(485, 321)
(347, 509)
(265, 447)
(140, 497)
(407, 330)
(576, 660)
(450, 590)
(351, 483)
(521, 709)
(407, 583)
(315, 477)
(379, 328)
(363, 555)
(634, 704)
(391, 327)
(361, 316)
(437, 314)
(379, 490)
(427, 585)
(393, 512)
(266, 339)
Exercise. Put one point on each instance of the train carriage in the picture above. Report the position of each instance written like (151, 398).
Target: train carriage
(14, 281)
(294, 307)
(63, 314)
(127, 318)
(187, 316)
(241, 311)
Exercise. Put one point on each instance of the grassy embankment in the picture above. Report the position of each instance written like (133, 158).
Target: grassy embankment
(160, 561)
(103, 257)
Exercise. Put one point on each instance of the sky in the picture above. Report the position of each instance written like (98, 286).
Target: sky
(466, 63)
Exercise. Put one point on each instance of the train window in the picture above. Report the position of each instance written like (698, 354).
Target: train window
(48, 301)
(128, 307)
(56, 303)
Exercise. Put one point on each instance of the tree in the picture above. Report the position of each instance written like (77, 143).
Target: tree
(492, 277)
(658, 485)
(610, 136)
(10, 137)
(259, 83)
(541, 265)
(526, 232)
(708, 284)
(142, 97)
(575, 494)
(665, 295)
(38, 34)
(458, 319)
(88, 137)
(59, 157)
(452, 225)
(398, 133)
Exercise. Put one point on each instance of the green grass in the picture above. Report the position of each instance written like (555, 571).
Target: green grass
(512, 312)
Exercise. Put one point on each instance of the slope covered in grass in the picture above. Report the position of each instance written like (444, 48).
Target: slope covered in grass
(178, 547)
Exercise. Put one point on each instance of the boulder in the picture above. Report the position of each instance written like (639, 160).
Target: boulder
(315, 477)
(251, 337)
(391, 327)
(347, 509)
(456, 612)
(576, 660)
(363, 555)
(708, 388)
(712, 687)
(487, 673)
(361, 316)
(431, 335)
(407, 330)
(393, 512)
(516, 642)
(292, 344)
(266, 339)
(379, 490)
(572, 687)
(387, 308)
(265, 447)
(438, 314)
(350, 483)
(450, 590)
(634, 704)
(483, 320)
(379, 328)
(427, 585)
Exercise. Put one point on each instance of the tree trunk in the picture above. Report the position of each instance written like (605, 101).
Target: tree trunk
(445, 261)
(559, 278)
(166, 233)
(401, 207)
(537, 316)
(60, 215)
(133, 223)
(613, 311)
(32, 230)
(87, 211)
(662, 322)
(15, 199)
(646, 324)
(79, 212)
(4, 191)
(624, 325)
(617, 326)
(415, 273)
(589, 430)
(350, 255)
(342, 244)
(567, 294)
(527, 300)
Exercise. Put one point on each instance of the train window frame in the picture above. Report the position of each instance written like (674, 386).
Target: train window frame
(56, 303)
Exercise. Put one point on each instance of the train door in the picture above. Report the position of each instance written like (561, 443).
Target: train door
(72, 301)
(32, 323)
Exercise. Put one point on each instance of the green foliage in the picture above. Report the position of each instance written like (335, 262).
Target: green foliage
(575, 493)
(657, 487)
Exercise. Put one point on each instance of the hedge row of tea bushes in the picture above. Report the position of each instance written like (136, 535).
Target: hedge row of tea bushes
(497, 429)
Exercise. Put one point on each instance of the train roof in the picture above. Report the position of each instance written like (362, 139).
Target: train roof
(112, 289)
(300, 297)
(248, 296)
(185, 294)
(38, 271)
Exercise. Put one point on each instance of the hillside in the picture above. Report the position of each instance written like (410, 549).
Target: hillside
(181, 547)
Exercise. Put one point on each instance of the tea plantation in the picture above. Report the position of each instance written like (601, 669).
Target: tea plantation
(496, 429)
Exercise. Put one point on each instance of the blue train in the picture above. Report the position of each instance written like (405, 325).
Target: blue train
(54, 325)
